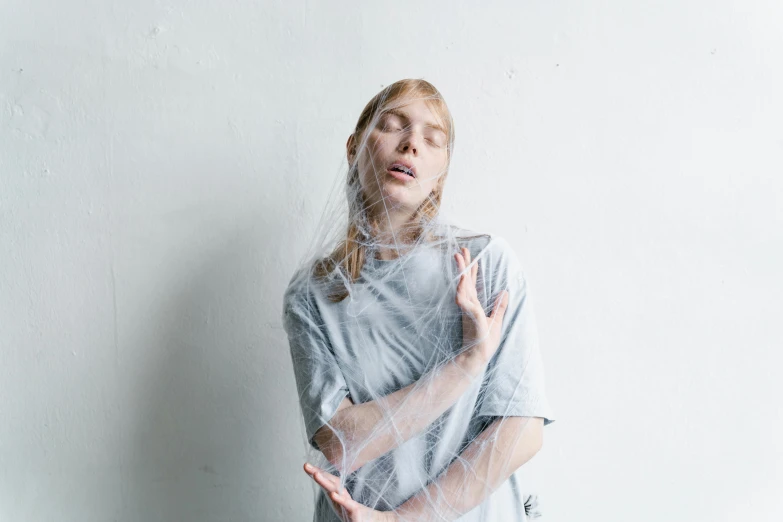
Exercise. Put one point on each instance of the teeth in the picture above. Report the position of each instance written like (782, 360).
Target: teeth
(406, 170)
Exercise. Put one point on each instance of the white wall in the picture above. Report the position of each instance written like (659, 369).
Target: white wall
(163, 163)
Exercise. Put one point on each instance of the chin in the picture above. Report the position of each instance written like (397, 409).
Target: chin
(400, 197)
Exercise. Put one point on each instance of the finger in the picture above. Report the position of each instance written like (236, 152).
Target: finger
(325, 475)
(326, 483)
(468, 301)
(345, 501)
(473, 277)
(465, 266)
(462, 284)
(501, 304)
(473, 268)
(460, 262)
(312, 470)
(333, 480)
(463, 263)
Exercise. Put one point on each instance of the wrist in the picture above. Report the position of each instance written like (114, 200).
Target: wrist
(472, 360)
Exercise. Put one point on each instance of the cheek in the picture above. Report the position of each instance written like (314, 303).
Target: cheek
(437, 171)
(365, 163)
(367, 180)
(378, 146)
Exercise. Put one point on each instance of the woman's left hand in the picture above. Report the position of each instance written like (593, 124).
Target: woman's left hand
(348, 509)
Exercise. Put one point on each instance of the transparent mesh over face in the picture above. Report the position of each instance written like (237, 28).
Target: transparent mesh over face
(413, 341)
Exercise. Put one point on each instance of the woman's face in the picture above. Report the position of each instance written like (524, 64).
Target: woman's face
(404, 156)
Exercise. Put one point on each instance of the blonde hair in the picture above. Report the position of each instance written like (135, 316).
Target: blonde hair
(349, 255)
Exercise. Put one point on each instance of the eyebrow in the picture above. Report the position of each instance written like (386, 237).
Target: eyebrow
(429, 125)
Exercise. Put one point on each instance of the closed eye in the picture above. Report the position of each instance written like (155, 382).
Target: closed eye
(389, 124)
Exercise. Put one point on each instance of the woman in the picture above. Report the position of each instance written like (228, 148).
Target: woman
(413, 342)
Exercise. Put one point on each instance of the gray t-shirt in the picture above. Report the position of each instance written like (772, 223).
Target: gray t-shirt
(400, 322)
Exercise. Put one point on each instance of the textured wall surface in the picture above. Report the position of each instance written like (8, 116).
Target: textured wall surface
(163, 164)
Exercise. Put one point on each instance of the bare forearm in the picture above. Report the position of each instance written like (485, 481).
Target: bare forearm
(363, 432)
(484, 465)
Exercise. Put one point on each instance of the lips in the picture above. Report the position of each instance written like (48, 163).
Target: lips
(404, 168)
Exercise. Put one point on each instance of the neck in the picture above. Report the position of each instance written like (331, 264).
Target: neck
(390, 231)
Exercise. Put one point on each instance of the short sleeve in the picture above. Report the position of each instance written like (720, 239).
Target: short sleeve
(319, 380)
(514, 383)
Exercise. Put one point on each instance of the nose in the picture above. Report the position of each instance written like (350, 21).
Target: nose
(410, 142)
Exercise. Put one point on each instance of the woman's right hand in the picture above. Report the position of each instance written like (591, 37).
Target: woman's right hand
(480, 334)
(346, 507)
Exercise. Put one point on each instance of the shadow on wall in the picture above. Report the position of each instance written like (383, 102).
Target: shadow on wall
(217, 407)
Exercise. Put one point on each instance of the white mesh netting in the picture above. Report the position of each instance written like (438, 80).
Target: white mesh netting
(413, 340)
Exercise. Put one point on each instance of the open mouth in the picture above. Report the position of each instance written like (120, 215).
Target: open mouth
(402, 168)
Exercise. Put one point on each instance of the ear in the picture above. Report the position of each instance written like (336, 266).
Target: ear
(350, 149)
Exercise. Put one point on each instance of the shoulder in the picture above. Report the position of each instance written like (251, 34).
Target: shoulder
(493, 248)
(497, 259)
(476, 241)
(501, 251)
(457, 237)
(299, 295)
(502, 256)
